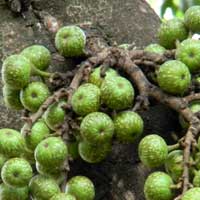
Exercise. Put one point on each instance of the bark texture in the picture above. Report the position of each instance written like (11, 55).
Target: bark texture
(121, 176)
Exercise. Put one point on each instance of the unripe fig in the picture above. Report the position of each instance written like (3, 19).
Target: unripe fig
(128, 126)
(55, 115)
(16, 71)
(51, 151)
(174, 164)
(39, 131)
(94, 153)
(192, 19)
(16, 172)
(10, 193)
(34, 95)
(153, 151)
(70, 41)
(192, 194)
(38, 55)
(97, 127)
(86, 99)
(43, 188)
(117, 93)
(171, 31)
(63, 196)
(12, 143)
(158, 187)
(155, 48)
(174, 77)
(188, 52)
(96, 79)
(81, 187)
(51, 172)
(11, 98)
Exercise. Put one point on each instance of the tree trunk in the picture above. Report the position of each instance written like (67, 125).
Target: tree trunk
(121, 176)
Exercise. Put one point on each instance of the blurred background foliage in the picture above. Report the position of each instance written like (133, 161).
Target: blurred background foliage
(169, 8)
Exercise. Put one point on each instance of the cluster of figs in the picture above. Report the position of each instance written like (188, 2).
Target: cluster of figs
(32, 165)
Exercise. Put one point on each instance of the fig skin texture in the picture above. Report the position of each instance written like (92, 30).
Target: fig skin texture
(188, 52)
(97, 127)
(117, 93)
(12, 143)
(155, 48)
(43, 187)
(16, 71)
(153, 151)
(63, 196)
(70, 41)
(192, 194)
(38, 55)
(174, 77)
(170, 31)
(96, 79)
(128, 126)
(10, 193)
(158, 187)
(94, 153)
(52, 152)
(34, 95)
(192, 19)
(81, 187)
(16, 172)
(55, 115)
(11, 98)
(86, 99)
(39, 131)
(174, 164)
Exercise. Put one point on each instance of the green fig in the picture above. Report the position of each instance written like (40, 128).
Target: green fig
(96, 79)
(174, 77)
(70, 41)
(94, 153)
(192, 194)
(171, 31)
(63, 196)
(16, 172)
(51, 151)
(38, 55)
(39, 131)
(188, 52)
(12, 143)
(97, 127)
(55, 115)
(192, 19)
(29, 156)
(11, 98)
(34, 95)
(10, 193)
(158, 187)
(128, 126)
(16, 71)
(117, 93)
(86, 99)
(47, 170)
(81, 187)
(153, 151)
(43, 187)
(155, 48)
(174, 164)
